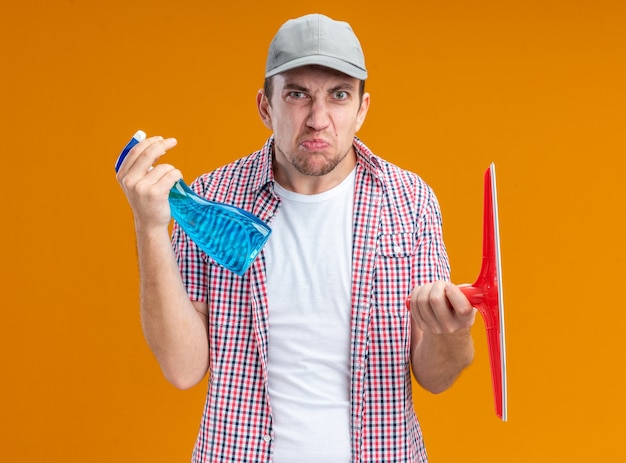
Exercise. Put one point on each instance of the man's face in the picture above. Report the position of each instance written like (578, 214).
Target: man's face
(314, 114)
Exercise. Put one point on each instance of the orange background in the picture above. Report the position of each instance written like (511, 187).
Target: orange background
(538, 87)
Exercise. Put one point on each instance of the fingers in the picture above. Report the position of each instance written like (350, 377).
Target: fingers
(462, 306)
(144, 155)
(137, 168)
(156, 181)
(441, 308)
(147, 188)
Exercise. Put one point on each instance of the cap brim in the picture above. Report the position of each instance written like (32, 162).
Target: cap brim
(321, 60)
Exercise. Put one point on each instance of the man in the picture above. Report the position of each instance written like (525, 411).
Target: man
(310, 351)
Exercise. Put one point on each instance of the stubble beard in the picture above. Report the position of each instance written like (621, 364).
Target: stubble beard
(308, 164)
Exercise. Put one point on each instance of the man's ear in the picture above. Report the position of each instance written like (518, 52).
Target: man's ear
(263, 106)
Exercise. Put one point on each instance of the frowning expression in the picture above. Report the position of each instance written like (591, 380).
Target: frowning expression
(314, 113)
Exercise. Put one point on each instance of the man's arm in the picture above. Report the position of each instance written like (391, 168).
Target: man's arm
(441, 342)
(175, 327)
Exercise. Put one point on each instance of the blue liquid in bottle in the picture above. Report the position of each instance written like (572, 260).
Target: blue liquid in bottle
(231, 236)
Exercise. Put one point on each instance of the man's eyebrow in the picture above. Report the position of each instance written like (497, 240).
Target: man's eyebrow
(294, 86)
(342, 86)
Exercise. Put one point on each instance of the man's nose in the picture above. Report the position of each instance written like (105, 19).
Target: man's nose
(319, 117)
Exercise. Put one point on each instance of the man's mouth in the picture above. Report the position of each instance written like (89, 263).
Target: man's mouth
(315, 145)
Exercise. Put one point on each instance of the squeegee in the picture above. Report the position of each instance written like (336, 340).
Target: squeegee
(486, 294)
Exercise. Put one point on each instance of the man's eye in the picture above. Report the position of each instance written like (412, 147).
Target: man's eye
(341, 95)
(297, 95)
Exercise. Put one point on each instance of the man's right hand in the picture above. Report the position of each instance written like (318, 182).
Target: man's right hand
(147, 188)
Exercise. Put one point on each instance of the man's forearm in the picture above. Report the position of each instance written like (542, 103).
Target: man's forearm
(438, 359)
(175, 331)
